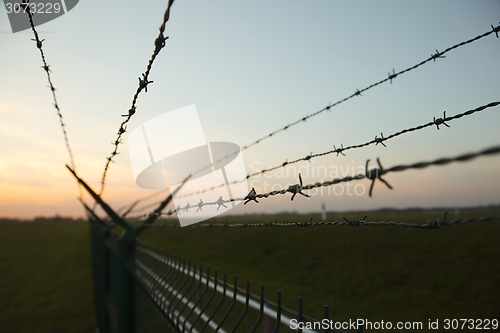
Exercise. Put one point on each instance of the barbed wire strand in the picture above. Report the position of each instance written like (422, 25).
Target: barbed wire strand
(160, 42)
(46, 68)
(371, 174)
(376, 141)
(436, 122)
(430, 224)
(390, 77)
(358, 92)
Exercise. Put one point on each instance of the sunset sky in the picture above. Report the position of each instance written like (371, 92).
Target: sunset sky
(251, 67)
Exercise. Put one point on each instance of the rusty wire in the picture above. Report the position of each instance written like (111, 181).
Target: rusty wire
(160, 42)
(430, 224)
(372, 174)
(46, 68)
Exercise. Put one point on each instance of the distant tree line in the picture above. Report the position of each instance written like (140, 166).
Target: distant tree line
(55, 218)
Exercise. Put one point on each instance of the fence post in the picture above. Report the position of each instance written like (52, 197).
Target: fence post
(125, 282)
(99, 232)
(100, 273)
(124, 302)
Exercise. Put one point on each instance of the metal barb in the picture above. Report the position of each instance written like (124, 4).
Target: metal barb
(436, 224)
(437, 55)
(200, 205)
(251, 196)
(143, 83)
(496, 30)
(306, 224)
(122, 130)
(160, 42)
(38, 42)
(339, 150)
(131, 112)
(380, 140)
(441, 121)
(375, 174)
(392, 76)
(354, 223)
(220, 202)
(297, 188)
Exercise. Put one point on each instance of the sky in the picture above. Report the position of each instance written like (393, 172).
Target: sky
(251, 68)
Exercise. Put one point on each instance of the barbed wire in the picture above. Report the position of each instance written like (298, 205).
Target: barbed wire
(358, 92)
(160, 42)
(39, 44)
(436, 122)
(390, 77)
(430, 224)
(372, 174)
(376, 141)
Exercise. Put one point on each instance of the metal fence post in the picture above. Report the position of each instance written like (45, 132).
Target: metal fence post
(100, 275)
(125, 283)
(99, 232)
(123, 297)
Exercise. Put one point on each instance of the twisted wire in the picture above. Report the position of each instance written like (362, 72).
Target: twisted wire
(430, 224)
(160, 42)
(46, 68)
(338, 151)
(435, 122)
(433, 57)
(372, 175)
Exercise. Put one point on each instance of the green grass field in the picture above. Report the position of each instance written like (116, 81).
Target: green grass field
(45, 278)
(379, 273)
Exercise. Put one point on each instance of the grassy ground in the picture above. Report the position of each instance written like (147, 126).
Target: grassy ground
(379, 273)
(45, 278)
